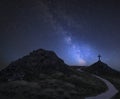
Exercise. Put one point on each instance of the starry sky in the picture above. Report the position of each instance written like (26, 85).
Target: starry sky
(77, 30)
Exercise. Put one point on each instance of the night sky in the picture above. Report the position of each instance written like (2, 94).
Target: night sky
(77, 30)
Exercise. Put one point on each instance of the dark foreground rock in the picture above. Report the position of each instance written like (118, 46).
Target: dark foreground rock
(31, 66)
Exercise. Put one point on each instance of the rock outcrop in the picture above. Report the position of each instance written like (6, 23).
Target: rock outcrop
(31, 66)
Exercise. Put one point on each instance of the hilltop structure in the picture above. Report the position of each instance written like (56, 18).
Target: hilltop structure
(99, 57)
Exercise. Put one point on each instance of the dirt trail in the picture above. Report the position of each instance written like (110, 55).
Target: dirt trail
(108, 94)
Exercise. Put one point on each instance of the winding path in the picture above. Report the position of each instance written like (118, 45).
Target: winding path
(108, 94)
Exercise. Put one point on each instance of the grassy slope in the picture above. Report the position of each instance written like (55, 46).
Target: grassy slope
(54, 86)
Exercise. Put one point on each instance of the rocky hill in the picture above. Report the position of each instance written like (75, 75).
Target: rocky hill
(101, 68)
(31, 66)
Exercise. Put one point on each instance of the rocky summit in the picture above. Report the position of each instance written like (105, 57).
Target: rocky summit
(31, 66)
(101, 68)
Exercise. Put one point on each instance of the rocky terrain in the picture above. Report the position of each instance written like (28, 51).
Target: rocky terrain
(43, 75)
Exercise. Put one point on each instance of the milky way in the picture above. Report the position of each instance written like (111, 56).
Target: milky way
(76, 30)
(78, 54)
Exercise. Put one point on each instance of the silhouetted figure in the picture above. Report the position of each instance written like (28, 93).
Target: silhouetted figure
(99, 57)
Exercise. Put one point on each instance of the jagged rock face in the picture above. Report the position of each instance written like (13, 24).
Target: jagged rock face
(30, 66)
